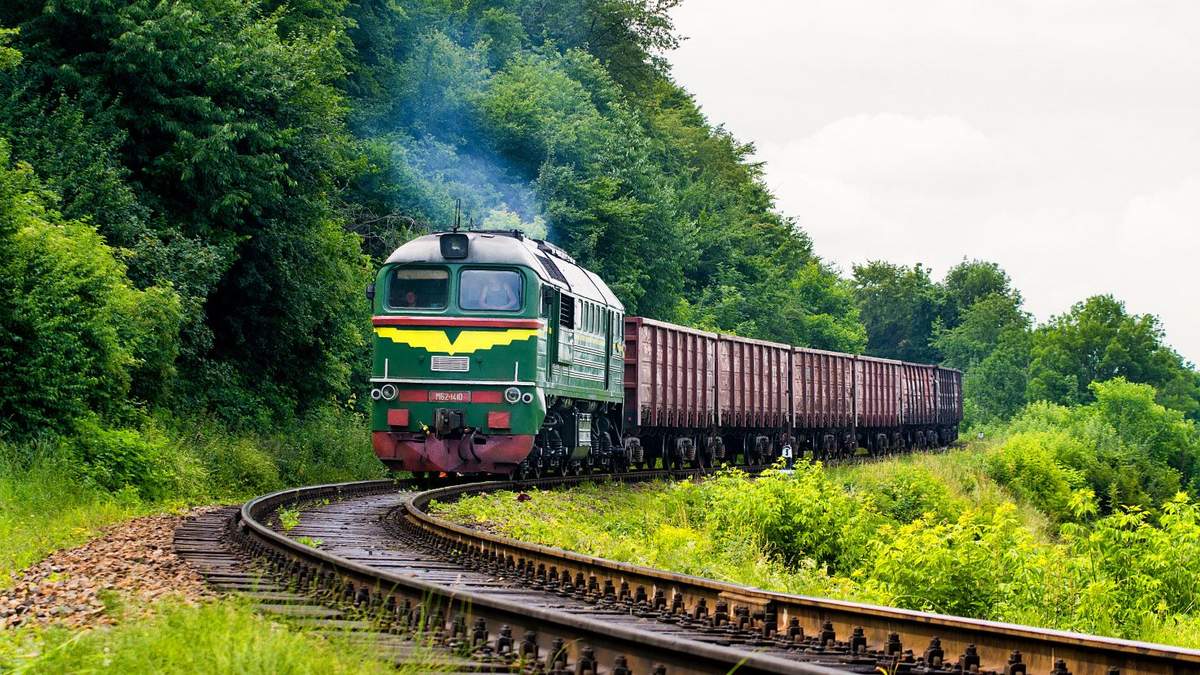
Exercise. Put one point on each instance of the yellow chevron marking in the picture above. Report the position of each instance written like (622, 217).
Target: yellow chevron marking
(467, 342)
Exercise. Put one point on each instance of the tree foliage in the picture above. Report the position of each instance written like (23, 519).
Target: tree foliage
(77, 339)
(1099, 340)
(209, 140)
(900, 306)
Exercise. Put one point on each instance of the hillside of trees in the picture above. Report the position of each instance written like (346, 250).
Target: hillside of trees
(218, 178)
(193, 195)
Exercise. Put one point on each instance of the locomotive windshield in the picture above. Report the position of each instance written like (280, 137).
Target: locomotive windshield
(490, 290)
(419, 289)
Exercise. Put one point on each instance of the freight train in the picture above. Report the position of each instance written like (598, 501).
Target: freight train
(495, 353)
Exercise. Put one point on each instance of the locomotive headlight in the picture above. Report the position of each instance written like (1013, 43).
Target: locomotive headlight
(512, 395)
(454, 245)
(376, 394)
(388, 392)
(527, 398)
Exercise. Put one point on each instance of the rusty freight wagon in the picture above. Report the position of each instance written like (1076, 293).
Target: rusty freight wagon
(823, 400)
(753, 394)
(878, 403)
(670, 393)
(697, 398)
(949, 404)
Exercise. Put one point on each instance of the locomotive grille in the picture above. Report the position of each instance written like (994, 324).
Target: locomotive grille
(450, 364)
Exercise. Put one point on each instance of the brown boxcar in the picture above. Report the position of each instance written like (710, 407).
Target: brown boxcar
(753, 378)
(949, 395)
(670, 375)
(877, 392)
(917, 383)
(822, 387)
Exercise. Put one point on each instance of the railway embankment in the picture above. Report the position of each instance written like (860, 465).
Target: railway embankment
(973, 532)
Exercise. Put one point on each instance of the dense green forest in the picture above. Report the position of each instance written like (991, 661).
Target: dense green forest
(193, 195)
(220, 175)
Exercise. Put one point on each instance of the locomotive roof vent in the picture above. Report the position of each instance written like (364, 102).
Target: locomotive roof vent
(554, 250)
(454, 245)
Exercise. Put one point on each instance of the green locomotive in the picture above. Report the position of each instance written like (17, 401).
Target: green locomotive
(495, 353)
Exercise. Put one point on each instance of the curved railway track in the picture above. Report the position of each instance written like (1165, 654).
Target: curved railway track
(386, 567)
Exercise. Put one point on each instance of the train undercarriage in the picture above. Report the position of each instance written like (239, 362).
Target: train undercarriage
(582, 437)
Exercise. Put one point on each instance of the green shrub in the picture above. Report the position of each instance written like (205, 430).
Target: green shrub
(799, 516)
(1125, 448)
(329, 445)
(904, 492)
(235, 466)
(959, 567)
(73, 330)
(1132, 574)
(1028, 464)
(138, 459)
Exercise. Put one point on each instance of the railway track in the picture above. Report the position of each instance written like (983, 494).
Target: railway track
(388, 570)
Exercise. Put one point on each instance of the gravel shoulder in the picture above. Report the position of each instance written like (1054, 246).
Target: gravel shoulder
(134, 560)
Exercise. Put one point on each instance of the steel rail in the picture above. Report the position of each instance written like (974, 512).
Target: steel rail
(995, 642)
(435, 608)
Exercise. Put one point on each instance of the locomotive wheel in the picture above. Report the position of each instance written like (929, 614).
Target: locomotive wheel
(619, 463)
(529, 470)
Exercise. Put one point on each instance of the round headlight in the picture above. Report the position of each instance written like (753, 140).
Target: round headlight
(388, 392)
(528, 398)
(512, 395)
(376, 395)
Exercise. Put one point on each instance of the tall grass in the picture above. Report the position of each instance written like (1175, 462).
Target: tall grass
(44, 507)
(225, 637)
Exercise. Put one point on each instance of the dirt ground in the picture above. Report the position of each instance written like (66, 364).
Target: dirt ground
(134, 561)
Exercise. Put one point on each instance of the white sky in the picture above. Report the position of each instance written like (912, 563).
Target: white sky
(1059, 138)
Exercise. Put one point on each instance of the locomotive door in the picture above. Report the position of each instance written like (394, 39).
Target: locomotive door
(548, 312)
(608, 347)
(565, 352)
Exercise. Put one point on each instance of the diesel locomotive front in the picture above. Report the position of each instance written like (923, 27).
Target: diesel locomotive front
(494, 353)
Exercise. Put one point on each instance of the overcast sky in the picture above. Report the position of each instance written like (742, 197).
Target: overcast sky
(1060, 139)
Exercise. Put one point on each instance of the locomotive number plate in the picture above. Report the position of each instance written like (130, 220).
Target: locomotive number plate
(450, 396)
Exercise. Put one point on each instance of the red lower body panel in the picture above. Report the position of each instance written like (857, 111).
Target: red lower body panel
(417, 452)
